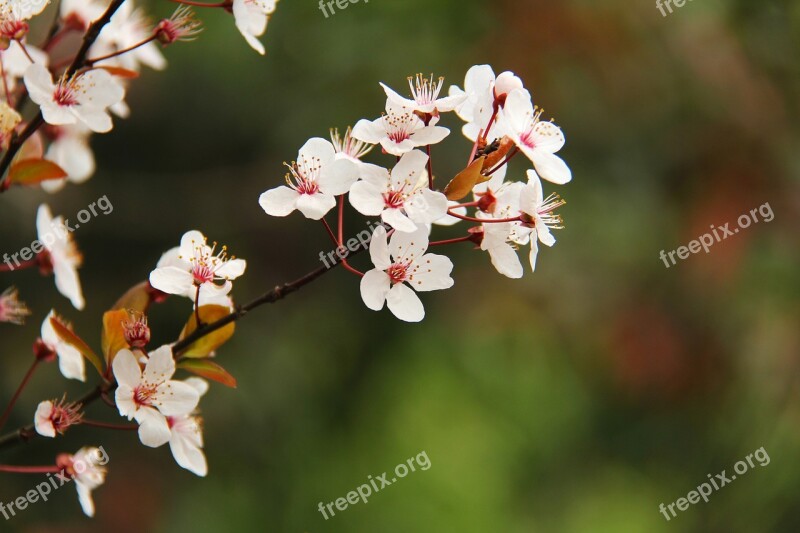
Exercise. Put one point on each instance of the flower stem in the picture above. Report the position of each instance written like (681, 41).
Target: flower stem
(499, 165)
(30, 469)
(201, 4)
(106, 425)
(340, 227)
(6, 267)
(21, 387)
(451, 241)
(91, 62)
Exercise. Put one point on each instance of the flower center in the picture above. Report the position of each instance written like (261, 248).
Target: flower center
(143, 395)
(399, 127)
(65, 94)
(393, 199)
(398, 272)
(202, 273)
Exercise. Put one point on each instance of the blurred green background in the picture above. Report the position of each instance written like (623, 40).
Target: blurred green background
(575, 400)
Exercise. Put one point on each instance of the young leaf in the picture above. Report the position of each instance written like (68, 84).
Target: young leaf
(68, 336)
(203, 347)
(121, 72)
(113, 338)
(137, 298)
(463, 183)
(208, 369)
(33, 171)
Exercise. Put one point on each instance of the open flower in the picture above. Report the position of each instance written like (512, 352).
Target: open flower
(400, 265)
(398, 131)
(81, 97)
(70, 360)
(152, 395)
(196, 267)
(402, 198)
(11, 309)
(186, 435)
(60, 255)
(87, 469)
(484, 92)
(425, 96)
(313, 182)
(538, 140)
(251, 17)
(55, 417)
(540, 213)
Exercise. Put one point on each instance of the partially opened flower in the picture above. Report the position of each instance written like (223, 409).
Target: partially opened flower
(538, 140)
(401, 265)
(398, 131)
(186, 435)
(152, 395)
(87, 469)
(126, 29)
(313, 182)
(82, 97)
(12, 310)
(251, 17)
(55, 417)
(484, 94)
(60, 255)
(541, 216)
(425, 96)
(70, 360)
(401, 198)
(194, 268)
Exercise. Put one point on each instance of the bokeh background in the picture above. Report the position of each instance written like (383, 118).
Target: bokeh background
(575, 400)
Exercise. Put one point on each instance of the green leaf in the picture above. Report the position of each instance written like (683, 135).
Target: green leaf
(34, 171)
(208, 369)
(68, 336)
(205, 346)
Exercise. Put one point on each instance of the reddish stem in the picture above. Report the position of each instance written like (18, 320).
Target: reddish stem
(330, 232)
(21, 387)
(430, 167)
(505, 161)
(30, 469)
(200, 4)
(6, 267)
(451, 241)
(340, 240)
(106, 425)
(91, 62)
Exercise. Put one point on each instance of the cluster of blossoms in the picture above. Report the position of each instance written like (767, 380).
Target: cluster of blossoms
(500, 121)
(69, 86)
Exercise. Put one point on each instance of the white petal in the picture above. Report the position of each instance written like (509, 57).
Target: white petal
(429, 135)
(70, 362)
(42, 423)
(172, 280)
(279, 202)
(126, 369)
(374, 286)
(67, 282)
(337, 177)
(426, 206)
(176, 398)
(367, 199)
(405, 304)
(315, 206)
(153, 427)
(85, 498)
(379, 249)
(551, 167)
(409, 246)
(160, 365)
(533, 254)
(369, 131)
(316, 152)
(188, 456)
(408, 170)
(232, 269)
(505, 260)
(518, 110)
(396, 219)
(431, 273)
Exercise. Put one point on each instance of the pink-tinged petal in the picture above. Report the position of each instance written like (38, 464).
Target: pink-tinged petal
(160, 365)
(409, 246)
(548, 137)
(395, 148)
(374, 286)
(405, 304)
(408, 170)
(337, 177)
(153, 427)
(70, 362)
(551, 167)
(369, 131)
(126, 369)
(41, 420)
(123, 398)
(518, 110)
(188, 456)
(315, 206)
(316, 152)
(396, 219)
(429, 135)
(232, 269)
(172, 280)
(379, 249)
(432, 273)
(367, 199)
(280, 201)
(175, 398)
(39, 84)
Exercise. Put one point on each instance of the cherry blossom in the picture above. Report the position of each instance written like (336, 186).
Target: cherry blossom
(484, 93)
(151, 396)
(313, 182)
(401, 198)
(401, 265)
(539, 141)
(399, 131)
(87, 469)
(12, 310)
(60, 255)
(251, 17)
(540, 213)
(70, 360)
(186, 435)
(425, 96)
(502, 251)
(193, 268)
(55, 417)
